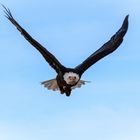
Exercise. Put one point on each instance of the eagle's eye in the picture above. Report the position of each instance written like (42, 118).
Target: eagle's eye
(69, 77)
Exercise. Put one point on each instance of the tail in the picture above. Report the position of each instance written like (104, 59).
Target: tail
(52, 84)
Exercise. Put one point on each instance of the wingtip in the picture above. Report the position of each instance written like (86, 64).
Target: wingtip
(2, 5)
(127, 16)
(125, 22)
(5, 8)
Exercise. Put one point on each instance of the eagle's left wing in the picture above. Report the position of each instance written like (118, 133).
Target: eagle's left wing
(50, 58)
(106, 49)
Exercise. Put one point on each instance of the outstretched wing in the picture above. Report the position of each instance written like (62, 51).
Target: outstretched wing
(50, 58)
(106, 49)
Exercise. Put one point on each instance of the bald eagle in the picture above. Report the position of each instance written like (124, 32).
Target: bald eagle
(70, 78)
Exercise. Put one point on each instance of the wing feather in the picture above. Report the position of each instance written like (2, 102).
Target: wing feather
(50, 58)
(80, 83)
(106, 49)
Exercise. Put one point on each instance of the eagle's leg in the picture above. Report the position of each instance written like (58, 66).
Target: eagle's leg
(62, 91)
(68, 91)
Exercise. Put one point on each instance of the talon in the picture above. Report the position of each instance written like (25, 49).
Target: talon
(67, 94)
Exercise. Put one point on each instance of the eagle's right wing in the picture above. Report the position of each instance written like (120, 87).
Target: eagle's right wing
(50, 58)
(106, 49)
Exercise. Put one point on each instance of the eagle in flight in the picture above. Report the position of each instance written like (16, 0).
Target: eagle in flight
(69, 78)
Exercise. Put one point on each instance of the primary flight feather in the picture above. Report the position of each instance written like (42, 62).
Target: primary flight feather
(69, 78)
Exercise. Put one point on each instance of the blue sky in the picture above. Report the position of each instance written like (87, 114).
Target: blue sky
(105, 109)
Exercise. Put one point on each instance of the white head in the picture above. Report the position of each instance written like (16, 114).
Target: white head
(71, 78)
